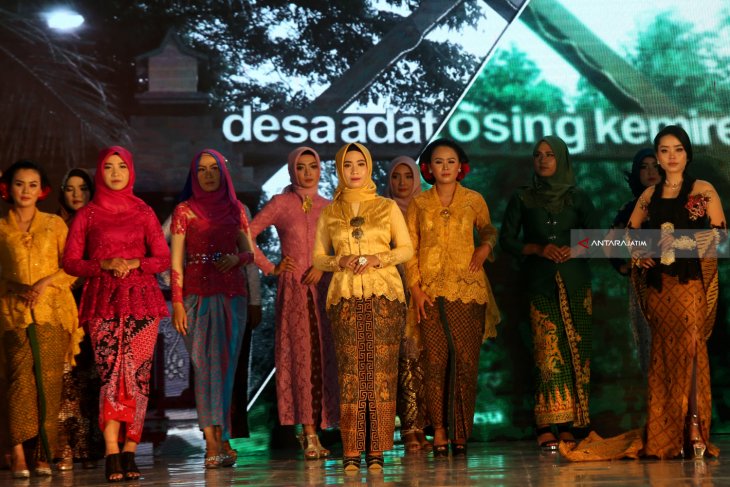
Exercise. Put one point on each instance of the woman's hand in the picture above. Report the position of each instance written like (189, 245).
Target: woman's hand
(478, 257)
(420, 299)
(359, 263)
(555, 253)
(180, 318)
(227, 262)
(117, 266)
(286, 264)
(643, 262)
(312, 276)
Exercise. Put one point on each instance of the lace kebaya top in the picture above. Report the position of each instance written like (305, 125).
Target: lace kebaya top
(97, 234)
(205, 243)
(25, 258)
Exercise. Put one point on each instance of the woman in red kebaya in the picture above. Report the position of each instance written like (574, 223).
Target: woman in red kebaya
(116, 243)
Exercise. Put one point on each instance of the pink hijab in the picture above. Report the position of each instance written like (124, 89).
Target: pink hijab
(292, 162)
(115, 201)
(220, 205)
(407, 161)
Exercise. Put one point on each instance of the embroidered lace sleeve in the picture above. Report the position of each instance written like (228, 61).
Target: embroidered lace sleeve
(158, 253)
(268, 216)
(73, 256)
(180, 218)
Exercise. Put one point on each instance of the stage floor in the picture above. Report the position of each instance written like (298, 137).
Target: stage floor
(519, 463)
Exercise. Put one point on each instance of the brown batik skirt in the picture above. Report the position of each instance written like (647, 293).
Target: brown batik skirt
(679, 330)
(452, 336)
(35, 357)
(367, 335)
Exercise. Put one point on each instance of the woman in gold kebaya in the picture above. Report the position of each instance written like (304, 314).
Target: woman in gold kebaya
(450, 293)
(361, 237)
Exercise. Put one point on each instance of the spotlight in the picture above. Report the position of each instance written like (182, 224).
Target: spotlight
(64, 20)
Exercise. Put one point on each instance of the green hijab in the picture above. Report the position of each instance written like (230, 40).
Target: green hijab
(555, 192)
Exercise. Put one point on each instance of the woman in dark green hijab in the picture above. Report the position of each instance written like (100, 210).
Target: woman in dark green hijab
(536, 229)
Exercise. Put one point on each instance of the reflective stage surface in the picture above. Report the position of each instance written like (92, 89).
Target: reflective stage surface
(179, 461)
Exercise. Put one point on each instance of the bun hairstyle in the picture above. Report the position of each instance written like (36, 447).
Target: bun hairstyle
(425, 159)
(7, 180)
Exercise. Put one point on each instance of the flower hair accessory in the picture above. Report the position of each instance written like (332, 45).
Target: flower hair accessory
(697, 205)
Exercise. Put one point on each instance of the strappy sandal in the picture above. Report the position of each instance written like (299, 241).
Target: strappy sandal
(131, 471)
(549, 445)
(212, 461)
(229, 457)
(113, 467)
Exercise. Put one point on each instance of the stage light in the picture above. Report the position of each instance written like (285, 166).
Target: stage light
(64, 20)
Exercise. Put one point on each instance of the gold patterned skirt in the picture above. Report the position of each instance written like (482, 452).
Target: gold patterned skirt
(34, 365)
(367, 335)
(677, 317)
(452, 337)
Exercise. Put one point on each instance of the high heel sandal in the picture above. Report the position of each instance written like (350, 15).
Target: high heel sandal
(566, 435)
(549, 445)
(113, 466)
(375, 462)
(695, 446)
(212, 461)
(351, 464)
(67, 459)
(43, 471)
(310, 445)
(441, 450)
(131, 470)
(229, 457)
(323, 452)
(458, 449)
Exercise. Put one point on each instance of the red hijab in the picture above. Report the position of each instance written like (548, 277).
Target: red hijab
(114, 201)
(221, 205)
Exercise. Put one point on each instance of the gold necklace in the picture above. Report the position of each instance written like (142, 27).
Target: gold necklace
(672, 185)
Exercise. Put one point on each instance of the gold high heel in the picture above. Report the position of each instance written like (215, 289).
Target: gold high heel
(310, 446)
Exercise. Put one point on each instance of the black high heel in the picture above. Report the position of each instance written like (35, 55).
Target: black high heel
(131, 471)
(550, 445)
(566, 435)
(441, 450)
(458, 449)
(113, 466)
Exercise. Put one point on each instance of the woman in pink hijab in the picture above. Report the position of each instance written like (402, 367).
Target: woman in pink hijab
(404, 182)
(306, 369)
(210, 242)
(116, 243)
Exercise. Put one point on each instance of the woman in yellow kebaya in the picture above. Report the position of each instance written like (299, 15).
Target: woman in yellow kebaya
(361, 237)
(450, 293)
